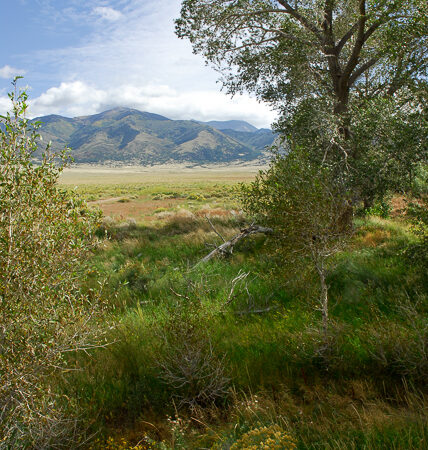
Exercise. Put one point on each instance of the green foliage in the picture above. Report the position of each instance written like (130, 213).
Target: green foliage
(390, 143)
(370, 335)
(348, 78)
(301, 202)
(382, 153)
(307, 209)
(418, 251)
(45, 234)
(380, 208)
(286, 52)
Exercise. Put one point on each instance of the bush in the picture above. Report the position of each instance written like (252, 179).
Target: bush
(381, 208)
(45, 234)
(189, 365)
(418, 213)
(269, 437)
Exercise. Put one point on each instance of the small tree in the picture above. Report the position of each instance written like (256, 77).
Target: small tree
(45, 232)
(308, 211)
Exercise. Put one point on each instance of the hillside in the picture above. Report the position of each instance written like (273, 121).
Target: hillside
(129, 136)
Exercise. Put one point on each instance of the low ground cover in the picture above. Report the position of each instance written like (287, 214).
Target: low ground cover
(230, 353)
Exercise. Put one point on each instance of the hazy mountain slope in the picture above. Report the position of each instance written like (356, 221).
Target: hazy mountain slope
(236, 125)
(130, 136)
(256, 140)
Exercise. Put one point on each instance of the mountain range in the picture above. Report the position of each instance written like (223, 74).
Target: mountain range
(129, 136)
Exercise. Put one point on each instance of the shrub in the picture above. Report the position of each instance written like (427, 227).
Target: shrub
(268, 437)
(189, 364)
(45, 234)
(309, 211)
(381, 208)
(418, 213)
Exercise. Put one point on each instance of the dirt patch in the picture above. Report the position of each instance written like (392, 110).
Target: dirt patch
(138, 209)
(398, 205)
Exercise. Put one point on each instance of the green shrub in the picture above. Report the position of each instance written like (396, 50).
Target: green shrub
(46, 234)
(264, 437)
(381, 208)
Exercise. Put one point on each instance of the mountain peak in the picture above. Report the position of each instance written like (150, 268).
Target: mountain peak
(126, 135)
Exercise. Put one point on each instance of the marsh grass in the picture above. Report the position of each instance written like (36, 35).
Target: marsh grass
(360, 388)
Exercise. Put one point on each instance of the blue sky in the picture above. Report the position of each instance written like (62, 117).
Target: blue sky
(82, 57)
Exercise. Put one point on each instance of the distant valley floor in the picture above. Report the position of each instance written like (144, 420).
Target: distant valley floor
(80, 174)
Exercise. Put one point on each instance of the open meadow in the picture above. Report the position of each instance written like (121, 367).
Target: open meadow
(219, 242)
(230, 353)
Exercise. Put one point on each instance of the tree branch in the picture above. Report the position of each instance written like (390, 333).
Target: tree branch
(302, 19)
(227, 247)
(251, 44)
(359, 42)
(346, 37)
(328, 18)
(214, 229)
(358, 72)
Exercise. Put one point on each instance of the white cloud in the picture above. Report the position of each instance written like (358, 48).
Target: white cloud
(139, 49)
(107, 13)
(136, 61)
(4, 105)
(78, 98)
(10, 72)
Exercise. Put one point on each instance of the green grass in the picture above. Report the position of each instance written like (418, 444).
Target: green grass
(359, 387)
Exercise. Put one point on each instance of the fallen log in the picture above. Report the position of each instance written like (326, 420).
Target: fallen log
(227, 247)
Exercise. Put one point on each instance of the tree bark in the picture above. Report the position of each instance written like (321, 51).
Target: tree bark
(323, 300)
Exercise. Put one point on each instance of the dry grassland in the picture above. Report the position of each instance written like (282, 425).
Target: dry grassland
(158, 174)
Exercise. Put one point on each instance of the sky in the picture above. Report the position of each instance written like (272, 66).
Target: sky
(81, 57)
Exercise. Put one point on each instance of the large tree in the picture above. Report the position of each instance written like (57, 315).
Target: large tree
(286, 51)
(327, 67)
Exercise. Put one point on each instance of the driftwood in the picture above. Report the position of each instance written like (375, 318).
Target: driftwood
(227, 247)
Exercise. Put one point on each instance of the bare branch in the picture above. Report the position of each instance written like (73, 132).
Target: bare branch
(241, 276)
(214, 229)
(179, 295)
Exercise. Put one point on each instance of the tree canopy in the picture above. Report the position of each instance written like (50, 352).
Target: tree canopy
(286, 51)
(347, 77)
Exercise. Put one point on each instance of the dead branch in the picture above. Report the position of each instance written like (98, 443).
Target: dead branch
(227, 247)
(256, 311)
(214, 229)
(241, 276)
(179, 295)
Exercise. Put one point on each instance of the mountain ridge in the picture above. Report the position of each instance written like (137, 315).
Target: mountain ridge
(126, 135)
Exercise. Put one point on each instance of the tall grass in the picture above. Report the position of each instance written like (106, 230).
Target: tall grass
(357, 389)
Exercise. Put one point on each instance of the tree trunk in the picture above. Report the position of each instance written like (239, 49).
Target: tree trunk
(324, 300)
(341, 110)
